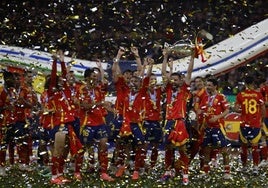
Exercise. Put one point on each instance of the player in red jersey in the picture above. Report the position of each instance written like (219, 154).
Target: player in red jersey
(199, 95)
(153, 116)
(215, 108)
(61, 134)
(101, 83)
(132, 130)
(92, 113)
(121, 81)
(122, 87)
(26, 102)
(264, 139)
(250, 104)
(32, 113)
(69, 96)
(175, 132)
(46, 122)
(8, 98)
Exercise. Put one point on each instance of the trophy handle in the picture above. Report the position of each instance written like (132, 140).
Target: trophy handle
(167, 45)
(187, 41)
(202, 34)
(205, 35)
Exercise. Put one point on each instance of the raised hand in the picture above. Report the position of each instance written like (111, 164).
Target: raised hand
(135, 51)
(60, 55)
(120, 52)
(98, 63)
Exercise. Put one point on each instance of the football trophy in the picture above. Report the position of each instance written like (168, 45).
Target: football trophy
(184, 48)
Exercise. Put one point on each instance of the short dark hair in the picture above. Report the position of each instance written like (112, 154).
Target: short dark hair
(8, 75)
(249, 80)
(179, 74)
(213, 81)
(88, 72)
(127, 71)
(209, 76)
(199, 77)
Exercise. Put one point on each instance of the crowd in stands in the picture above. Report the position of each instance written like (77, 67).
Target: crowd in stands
(96, 28)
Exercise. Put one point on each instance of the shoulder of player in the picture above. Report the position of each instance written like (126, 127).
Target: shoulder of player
(221, 95)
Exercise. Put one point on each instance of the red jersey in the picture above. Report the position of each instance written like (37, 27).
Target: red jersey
(47, 117)
(133, 108)
(70, 92)
(64, 109)
(134, 104)
(59, 101)
(264, 91)
(199, 96)
(250, 102)
(8, 98)
(96, 115)
(177, 102)
(74, 93)
(214, 105)
(153, 104)
(22, 110)
(122, 91)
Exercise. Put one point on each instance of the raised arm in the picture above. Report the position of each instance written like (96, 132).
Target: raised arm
(166, 62)
(116, 71)
(102, 73)
(64, 71)
(150, 62)
(140, 69)
(188, 76)
(53, 76)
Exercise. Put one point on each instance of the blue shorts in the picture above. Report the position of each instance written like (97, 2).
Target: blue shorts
(138, 134)
(44, 135)
(21, 130)
(250, 135)
(266, 121)
(115, 127)
(265, 127)
(214, 137)
(153, 131)
(34, 127)
(92, 133)
(76, 127)
(6, 136)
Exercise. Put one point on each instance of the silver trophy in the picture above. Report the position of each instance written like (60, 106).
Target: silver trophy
(180, 48)
(184, 48)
